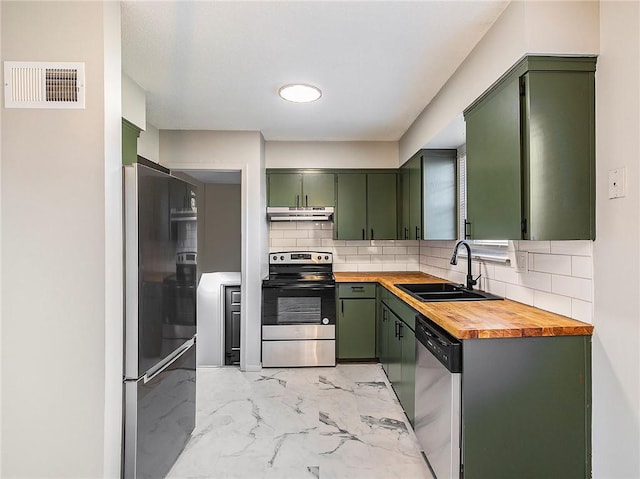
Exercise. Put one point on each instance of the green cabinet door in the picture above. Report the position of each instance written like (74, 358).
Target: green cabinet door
(394, 372)
(404, 225)
(130, 134)
(493, 165)
(285, 189)
(411, 198)
(408, 372)
(356, 336)
(381, 206)
(415, 198)
(535, 392)
(382, 337)
(318, 189)
(350, 219)
(531, 152)
(558, 176)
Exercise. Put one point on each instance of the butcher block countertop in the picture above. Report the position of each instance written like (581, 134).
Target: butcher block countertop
(475, 319)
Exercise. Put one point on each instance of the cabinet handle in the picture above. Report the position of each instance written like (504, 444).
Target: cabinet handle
(371, 233)
(297, 201)
(400, 327)
(396, 329)
(384, 315)
(306, 200)
(342, 306)
(417, 232)
(357, 288)
(362, 233)
(467, 223)
(406, 233)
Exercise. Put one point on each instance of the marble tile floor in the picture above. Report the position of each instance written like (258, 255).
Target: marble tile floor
(342, 422)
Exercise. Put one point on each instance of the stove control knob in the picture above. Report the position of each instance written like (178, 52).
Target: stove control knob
(319, 257)
(282, 258)
(275, 258)
(327, 258)
(325, 320)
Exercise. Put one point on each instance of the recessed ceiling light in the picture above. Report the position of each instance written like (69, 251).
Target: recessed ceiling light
(299, 93)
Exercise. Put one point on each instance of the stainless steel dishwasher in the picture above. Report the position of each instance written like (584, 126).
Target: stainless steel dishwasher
(438, 399)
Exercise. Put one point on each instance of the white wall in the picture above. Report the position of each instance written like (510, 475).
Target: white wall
(331, 154)
(134, 103)
(221, 248)
(616, 342)
(244, 151)
(114, 299)
(54, 252)
(524, 27)
(149, 143)
(558, 277)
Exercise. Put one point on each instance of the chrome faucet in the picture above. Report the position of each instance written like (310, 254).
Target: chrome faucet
(454, 260)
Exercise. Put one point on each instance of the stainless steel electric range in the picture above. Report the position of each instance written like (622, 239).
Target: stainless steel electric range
(299, 310)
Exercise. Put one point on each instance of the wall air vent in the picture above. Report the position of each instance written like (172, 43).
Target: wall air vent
(44, 85)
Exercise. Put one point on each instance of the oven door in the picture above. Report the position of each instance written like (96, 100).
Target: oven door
(298, 304)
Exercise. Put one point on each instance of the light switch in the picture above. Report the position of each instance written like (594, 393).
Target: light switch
(617, 182)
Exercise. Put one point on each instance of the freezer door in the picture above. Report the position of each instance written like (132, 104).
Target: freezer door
(160, 267)
(159, 417)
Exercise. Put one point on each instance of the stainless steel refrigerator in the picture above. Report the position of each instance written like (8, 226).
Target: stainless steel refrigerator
(160, 319)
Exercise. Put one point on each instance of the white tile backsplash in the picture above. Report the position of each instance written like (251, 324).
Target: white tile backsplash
(579, 288)
(582, 310)
(519, 293)
(552, 302)
(581, 266)
(551, 263)
(576, 248)
(558, 278)
(353, 255)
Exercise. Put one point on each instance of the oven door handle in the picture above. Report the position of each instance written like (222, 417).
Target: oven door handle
(301, 286)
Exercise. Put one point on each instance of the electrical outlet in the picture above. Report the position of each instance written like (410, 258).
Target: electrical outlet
(617, 183)
(522, 261)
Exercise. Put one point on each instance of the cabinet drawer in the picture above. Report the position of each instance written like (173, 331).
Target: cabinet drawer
(357, 290)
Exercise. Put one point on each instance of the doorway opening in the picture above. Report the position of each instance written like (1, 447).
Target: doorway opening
(219, 264)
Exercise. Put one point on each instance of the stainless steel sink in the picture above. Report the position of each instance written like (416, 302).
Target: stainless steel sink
(428, 292)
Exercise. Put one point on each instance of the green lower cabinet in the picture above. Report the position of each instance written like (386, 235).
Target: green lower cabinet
(408, 373)
(382, 337)
(526, 407)
(396, 343)
(356, 335)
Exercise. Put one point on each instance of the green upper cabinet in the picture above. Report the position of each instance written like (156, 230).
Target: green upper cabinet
(440, 208)
(411, 197)
(350, 219)
(559, 166)
(300, 189)
(366, 206)
(130, 134)
(381, 205)
(428, 196)
(531, 152)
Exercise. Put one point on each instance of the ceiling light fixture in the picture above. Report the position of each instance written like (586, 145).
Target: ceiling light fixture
(299, 93)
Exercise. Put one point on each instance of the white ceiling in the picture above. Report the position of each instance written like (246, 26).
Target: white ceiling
(218, 65)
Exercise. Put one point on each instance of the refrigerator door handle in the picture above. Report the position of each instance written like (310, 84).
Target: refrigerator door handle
(152, 373)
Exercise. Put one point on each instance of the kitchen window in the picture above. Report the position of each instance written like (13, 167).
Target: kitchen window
(490, 250)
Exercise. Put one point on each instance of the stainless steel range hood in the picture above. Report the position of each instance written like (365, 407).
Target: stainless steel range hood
(311, 213)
